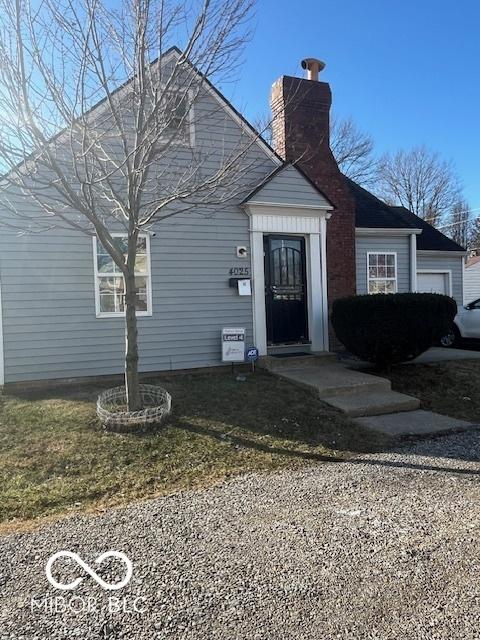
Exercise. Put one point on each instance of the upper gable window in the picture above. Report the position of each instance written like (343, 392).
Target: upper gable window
(110, 284)
(174, 123)
(178, 123)
(382, 272)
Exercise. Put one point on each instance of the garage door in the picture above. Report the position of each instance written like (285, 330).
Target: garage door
(432, 283)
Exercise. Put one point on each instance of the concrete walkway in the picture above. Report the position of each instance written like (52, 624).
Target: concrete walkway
(439, 354)
(367, 398)
(414, 423)
(435, 354)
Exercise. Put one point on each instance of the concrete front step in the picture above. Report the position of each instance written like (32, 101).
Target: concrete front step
(373, 403)
(414, 423)
(318, 358)
(334, 380)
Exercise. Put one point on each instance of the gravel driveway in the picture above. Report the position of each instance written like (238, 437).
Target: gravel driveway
(382, 547)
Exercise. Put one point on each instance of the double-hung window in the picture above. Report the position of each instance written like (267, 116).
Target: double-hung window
(109, 281)
(382, 272)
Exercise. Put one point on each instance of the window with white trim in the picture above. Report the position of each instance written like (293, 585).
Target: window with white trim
(382, 272)
(109, 281)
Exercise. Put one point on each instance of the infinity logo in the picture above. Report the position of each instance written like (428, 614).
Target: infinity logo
(87, 569)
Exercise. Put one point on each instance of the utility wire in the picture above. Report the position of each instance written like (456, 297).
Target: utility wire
(453, 224)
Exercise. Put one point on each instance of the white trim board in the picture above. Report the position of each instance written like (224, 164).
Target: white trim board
(289, 205)
(375, 231)
(323, 259)
(441, 254)
(312, 228)
(413, 262)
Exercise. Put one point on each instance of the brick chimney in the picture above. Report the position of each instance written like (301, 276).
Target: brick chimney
(301, 135)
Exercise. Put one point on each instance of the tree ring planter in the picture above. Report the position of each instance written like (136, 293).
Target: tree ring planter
(113, 414)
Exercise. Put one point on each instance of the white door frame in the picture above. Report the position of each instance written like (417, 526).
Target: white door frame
(310, 224)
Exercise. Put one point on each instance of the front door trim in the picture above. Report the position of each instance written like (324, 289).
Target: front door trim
(312, 226)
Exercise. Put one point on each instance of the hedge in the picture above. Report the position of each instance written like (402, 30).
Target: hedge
(386, 329)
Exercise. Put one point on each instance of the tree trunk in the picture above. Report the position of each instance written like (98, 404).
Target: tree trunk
(131, 346)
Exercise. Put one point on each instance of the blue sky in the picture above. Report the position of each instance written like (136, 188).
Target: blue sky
(407, 72)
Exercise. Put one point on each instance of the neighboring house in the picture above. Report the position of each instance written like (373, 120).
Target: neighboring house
(472, 280)
(302, 232)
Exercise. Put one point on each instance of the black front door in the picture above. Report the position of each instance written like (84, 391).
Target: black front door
(285, 289)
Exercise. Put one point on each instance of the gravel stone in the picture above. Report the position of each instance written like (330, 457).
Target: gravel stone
(382, 547)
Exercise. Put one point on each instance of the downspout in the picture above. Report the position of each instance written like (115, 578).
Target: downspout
(413, 262)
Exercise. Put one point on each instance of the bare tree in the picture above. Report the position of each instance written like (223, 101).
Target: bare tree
(353, 150)
(420, 181)
(458, 223)
(128, 162)
(474, 237)
(263, 124)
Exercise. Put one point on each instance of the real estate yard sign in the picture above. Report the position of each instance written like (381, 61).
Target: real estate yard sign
(233, 344)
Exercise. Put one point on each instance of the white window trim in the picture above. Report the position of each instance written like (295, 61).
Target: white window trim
(382, 253)
(446, 272)
(121, 314)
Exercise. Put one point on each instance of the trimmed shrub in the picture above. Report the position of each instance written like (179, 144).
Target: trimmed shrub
(387, 329)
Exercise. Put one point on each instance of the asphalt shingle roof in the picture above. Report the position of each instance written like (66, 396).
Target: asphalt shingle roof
(373, 213)
(430, 239)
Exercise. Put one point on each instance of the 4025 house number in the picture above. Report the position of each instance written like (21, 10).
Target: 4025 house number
(240, 271)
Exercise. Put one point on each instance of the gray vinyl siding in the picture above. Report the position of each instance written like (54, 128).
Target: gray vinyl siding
(290, 187)
(447, 263)
(48, 296)
(378, 244)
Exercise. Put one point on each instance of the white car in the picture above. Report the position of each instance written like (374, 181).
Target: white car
(465, 325)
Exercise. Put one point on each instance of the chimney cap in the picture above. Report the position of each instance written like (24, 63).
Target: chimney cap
(313, 67)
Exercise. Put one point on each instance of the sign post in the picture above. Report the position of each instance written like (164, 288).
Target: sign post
(251, 355)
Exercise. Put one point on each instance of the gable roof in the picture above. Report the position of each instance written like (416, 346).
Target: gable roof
(219, 97)
(373, 213)
(430, 239)
(288, 185)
